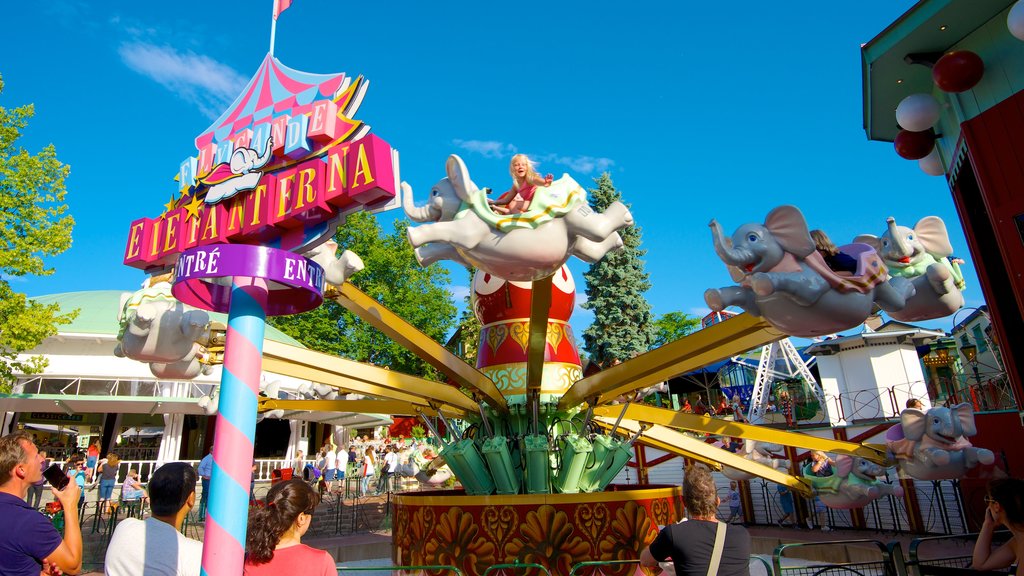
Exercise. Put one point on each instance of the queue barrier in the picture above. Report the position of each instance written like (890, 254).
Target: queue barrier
(953, 555)
(515, 568)
(884, 566)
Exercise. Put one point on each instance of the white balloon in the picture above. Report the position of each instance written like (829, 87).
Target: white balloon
(1015, 20)
(932, 164)
(917, 112)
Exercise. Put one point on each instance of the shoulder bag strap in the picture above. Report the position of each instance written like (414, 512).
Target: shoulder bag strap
(716, 554)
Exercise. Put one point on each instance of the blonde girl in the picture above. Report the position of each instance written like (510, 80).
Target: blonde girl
(369, 470)
(524, 183)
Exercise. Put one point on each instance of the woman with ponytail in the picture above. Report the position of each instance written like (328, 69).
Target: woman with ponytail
(272, 545)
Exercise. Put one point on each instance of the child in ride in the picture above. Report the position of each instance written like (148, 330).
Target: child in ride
(524, 183)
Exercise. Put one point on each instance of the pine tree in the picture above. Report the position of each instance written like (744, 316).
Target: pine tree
(623, 326)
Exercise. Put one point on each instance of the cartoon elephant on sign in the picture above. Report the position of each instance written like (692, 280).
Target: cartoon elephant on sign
(854, 484)
(336, 269)
(921, 256)
(760, 452)
(240, 173)
(786, 281)
(937, 447)
(523, 247)
(158, 329)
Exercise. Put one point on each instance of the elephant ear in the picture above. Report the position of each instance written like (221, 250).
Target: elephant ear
(913, 422)
(458, 175)
(871, 240)
(788, 226)
(844, 465)
(965, 414)
(931, 233)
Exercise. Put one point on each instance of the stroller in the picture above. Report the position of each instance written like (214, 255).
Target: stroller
(314, 477)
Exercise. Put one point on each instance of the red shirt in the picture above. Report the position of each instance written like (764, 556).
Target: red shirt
(294, 560)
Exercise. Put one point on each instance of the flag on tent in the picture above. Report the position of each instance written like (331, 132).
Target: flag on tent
(280, 6)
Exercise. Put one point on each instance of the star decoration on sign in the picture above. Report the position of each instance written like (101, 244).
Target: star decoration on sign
(192, 208)
(170, 204)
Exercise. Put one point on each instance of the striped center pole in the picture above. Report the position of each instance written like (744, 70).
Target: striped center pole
(228, 510)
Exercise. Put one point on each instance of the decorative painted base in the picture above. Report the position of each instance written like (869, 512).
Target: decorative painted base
(554, 530)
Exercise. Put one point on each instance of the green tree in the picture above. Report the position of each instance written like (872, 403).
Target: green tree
(469, 326)
(391, 277)
(673, 326)
(622, 326)
(33, 225)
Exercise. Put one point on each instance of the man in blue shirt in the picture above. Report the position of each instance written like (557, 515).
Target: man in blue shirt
(204, 471)
(29, 543)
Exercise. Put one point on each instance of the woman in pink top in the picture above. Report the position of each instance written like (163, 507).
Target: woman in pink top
(272, 545)
(524, 183)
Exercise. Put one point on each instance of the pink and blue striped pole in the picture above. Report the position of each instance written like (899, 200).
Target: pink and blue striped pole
(228, 509)
(298, 287)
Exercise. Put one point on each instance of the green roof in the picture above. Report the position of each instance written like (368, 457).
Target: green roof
(98, 311)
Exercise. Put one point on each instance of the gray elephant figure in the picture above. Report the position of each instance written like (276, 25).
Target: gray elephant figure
(936, 446)
(921, 255)
(853, 484)
(158, 329)
(784, 279)
(465, 230)
(337, 269)
(760, 452)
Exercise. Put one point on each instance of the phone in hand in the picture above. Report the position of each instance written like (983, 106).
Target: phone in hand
(56, 477)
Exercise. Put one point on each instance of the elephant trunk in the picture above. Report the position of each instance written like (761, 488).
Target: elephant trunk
(900, 248)
(723, 247)
(262, 160)
(415, 213)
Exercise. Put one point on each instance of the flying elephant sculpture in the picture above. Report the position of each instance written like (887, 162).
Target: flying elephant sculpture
(921, 255)
(934, 444)
(158, 329)
(521, 247)
(760, 452)
(337, 269)
(853, 484)
(784, 279)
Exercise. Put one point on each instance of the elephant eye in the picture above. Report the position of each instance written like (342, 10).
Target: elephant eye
(752, 238)
(910, 237)
(885, 243)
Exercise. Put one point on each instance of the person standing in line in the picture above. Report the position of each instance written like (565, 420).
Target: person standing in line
(205, 470)
(369, 470)
(702, 545)
(155, 546)
(330, 465)
(92, 457)
(107, 472)
(29, 543)
(342, 465)
(298, 464)
(35, 490)
(273, 543)
(735, 512)
(76, 472)
(785, 504)
(353, 456)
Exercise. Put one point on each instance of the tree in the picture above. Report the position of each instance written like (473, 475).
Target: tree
(33, 225)
(622, 325)
(392, 277)
(673, 326)
(469, 326)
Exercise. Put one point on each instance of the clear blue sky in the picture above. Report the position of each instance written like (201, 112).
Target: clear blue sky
(697, 110)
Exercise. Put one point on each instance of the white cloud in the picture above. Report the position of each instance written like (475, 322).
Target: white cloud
(583, 164)
(581, 298)
(198, 79)
(486, 148)
(459, 293)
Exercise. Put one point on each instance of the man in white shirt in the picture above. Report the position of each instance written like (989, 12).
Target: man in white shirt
(330, 465)
(155, 546)
(342, 464)
(388, 469)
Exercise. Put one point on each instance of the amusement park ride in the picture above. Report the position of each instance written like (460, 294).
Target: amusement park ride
(533, 443)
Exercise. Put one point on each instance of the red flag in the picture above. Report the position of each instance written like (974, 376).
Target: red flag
(281, 6)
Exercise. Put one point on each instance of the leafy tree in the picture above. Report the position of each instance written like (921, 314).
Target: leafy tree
(673, 326)
(469, 326)
(393, 278)
(622, 325)
(32, 225)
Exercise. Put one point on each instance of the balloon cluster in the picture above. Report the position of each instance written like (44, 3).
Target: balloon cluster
(916, 114)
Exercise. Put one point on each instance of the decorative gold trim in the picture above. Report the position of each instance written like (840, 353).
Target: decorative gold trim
(523, 320)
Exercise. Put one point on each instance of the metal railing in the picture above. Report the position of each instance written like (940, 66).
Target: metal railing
(883, 566)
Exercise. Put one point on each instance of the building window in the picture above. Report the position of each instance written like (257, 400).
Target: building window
(979, 337)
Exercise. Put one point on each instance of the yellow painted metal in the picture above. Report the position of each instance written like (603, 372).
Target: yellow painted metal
(540, 305)
(396, 328)
(722, 427)
(733, 336)
(358, 377)
(679, 443)
(391, 407)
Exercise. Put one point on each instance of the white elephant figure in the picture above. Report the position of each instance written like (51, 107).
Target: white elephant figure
(239, 174)
(210, 402)
(337, 269)
(760, 452)
(522, 247)
(935, 445)
(271, 389)
(853, 484)
(158, 329)
(786, 281)
(921, 256)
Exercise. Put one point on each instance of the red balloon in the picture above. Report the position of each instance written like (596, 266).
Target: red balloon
(958, 71)
(914, 145)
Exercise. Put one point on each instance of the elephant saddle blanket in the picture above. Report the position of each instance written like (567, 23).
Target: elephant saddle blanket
(548, 203)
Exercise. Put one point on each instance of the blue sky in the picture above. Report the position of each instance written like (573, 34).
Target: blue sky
(697, 110)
